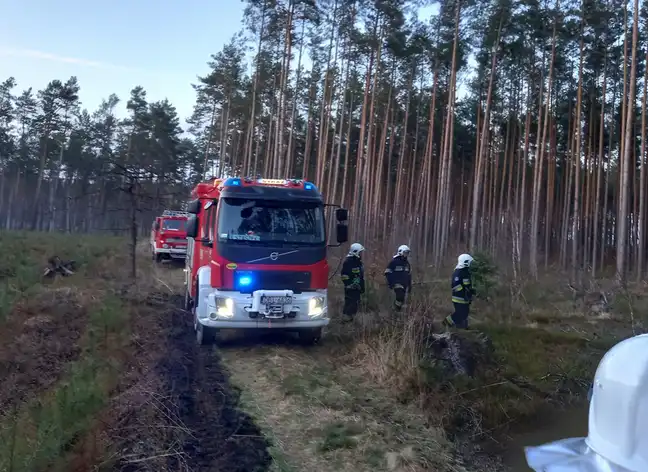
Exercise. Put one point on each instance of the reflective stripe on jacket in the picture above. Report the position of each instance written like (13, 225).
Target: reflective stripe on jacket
(399, 273)
(353, 273)
(461, 286)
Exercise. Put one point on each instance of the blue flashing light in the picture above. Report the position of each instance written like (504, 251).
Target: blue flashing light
(309, 186)
(245, 280)
(232, 181)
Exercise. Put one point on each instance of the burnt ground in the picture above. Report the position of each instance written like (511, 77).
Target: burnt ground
(182, 414)
(39, 346)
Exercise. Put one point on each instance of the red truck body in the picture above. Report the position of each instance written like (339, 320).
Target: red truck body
(169, 236)
(256, 256)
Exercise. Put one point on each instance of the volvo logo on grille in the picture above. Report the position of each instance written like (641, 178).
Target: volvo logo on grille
(273, 256)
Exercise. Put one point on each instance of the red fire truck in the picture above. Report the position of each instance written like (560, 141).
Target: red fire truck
(256, 257)
(169, 236)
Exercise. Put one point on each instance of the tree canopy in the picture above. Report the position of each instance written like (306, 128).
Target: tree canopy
(514, 127)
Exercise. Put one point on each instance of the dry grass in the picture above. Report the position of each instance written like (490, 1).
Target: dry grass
(322, 417)
(371, 397)
(364, 399)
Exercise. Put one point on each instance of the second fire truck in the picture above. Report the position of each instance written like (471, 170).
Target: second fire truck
(169, 236)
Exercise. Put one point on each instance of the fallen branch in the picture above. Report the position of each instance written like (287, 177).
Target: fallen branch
(58, 267)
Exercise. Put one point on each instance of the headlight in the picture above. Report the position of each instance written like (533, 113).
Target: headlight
(224, 307)
(165, 245)
(316, 306)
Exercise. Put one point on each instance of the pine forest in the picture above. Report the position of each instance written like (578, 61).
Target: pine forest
(516, 128)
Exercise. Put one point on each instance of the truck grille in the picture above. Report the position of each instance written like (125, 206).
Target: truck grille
(296, 281)
(176, 240)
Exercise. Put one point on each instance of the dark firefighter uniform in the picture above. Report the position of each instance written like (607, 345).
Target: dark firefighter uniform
(354, 284)
(399, 279)
(462, 293)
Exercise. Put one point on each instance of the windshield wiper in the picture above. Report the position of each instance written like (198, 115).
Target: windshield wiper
(268, 243)
(247, 242)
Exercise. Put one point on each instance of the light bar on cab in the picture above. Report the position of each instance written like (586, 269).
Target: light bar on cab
(272, 181)
(175, 213)
(232, 182)
(238, 182)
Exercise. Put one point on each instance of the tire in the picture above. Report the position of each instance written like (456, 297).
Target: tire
(187, 301)
(310, 336)
(204, 334)
(158, 258)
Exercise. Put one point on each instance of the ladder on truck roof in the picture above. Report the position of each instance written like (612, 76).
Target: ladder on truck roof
(175, 213)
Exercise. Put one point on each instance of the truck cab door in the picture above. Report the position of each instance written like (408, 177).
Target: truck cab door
(155, 229)
(207, 231)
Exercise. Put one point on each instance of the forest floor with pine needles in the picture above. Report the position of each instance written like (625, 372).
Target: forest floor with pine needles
(100, 373)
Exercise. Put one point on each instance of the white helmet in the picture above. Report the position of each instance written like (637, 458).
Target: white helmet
(356, 249)
(618, 413)
(403, 250)
(464, 261)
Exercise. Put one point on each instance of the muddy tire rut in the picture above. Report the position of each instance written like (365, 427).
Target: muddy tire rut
(204, 430)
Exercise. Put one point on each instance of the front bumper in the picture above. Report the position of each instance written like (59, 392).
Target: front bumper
(173, 252)
(245, 311)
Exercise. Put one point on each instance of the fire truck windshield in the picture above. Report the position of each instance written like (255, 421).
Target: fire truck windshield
(270, 221)
(173, 225)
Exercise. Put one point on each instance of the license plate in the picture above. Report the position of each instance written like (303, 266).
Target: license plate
(272, 300)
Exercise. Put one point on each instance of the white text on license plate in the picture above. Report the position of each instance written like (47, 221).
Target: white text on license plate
(269, 300)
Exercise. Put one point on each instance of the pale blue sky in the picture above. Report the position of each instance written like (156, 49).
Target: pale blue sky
(112, 46)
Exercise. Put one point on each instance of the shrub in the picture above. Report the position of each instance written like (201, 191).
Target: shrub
(483, 272)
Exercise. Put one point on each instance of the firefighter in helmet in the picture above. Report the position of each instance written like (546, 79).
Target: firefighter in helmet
(399, 276)
(353, 280)
(462, 293)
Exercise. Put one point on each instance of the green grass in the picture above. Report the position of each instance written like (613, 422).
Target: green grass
(528, 368)
(39, 432)
(24, 257)
(339, 435)
(42, 430)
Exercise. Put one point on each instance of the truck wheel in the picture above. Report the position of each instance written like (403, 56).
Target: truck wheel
(310, 336)
(158, 258)
(187, 301)
(204, 334)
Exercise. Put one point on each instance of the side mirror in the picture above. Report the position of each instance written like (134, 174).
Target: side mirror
(341, 214)
(193, 207)
(156, 226)
(192, 226)
(342, 233)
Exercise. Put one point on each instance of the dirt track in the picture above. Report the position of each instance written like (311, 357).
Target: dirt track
(202, 428)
